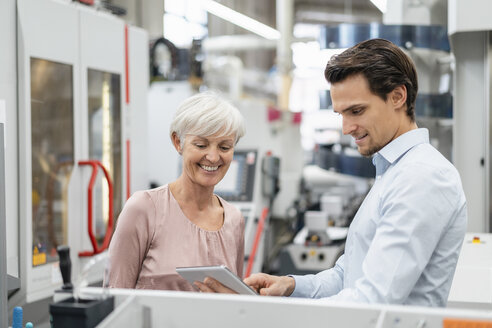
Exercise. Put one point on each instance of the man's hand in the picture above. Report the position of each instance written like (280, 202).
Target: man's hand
(268, 285)
(210, 285)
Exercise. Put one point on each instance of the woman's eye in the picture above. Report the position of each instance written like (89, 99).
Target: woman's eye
(225, 148)
(200, 146)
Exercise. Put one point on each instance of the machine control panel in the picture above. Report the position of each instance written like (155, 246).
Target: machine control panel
(238, 183)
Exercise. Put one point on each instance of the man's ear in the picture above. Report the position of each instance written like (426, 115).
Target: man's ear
(176, 142)
(398, 96)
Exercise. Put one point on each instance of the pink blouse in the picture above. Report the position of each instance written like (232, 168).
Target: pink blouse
(153, 237)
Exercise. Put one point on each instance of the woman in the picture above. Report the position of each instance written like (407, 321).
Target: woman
(183, 223)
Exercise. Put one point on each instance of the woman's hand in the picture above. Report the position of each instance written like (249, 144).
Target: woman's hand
(210, 285)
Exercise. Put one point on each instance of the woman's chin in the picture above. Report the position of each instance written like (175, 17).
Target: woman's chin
(208, 183)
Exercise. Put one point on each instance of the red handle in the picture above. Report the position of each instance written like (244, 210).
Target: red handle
(109, 228)
(259, 230)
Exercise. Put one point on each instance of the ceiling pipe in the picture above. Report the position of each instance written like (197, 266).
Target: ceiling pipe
(285, 25)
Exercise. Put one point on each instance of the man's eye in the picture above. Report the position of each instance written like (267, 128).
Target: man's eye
(200, 146)
(356, 111)
(224, 148)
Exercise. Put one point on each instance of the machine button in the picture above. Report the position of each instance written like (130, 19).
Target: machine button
(303, 256)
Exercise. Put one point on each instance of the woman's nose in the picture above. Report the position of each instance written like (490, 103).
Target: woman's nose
(213, 155)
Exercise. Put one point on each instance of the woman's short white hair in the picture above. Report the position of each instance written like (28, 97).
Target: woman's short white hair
(206, 114)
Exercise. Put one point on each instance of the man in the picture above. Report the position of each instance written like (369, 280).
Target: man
(403, 244)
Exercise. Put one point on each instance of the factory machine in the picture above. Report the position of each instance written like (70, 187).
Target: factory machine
(144, 308)
(4, 283)
(82, 86)
(472, 282)
(330, 201)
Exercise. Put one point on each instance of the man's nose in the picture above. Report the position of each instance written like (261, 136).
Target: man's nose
(348, 126)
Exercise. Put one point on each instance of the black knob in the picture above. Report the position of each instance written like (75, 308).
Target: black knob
(303, 256)
(65, 266)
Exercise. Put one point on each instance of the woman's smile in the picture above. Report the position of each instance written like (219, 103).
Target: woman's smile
(209, 168)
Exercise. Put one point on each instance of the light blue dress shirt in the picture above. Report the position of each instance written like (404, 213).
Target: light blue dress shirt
(403, 244)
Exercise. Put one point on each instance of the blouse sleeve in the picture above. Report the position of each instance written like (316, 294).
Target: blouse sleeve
(131, 241)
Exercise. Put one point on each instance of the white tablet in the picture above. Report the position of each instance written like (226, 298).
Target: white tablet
(220, 273)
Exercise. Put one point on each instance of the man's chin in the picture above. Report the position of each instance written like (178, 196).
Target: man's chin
(368, 152)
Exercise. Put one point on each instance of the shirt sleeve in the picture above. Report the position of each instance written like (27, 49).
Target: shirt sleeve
(415, 211)
(130, 242)
(323, 284)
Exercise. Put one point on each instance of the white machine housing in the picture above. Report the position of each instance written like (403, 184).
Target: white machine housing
(472, 282)
(146, 308)
(84, 39)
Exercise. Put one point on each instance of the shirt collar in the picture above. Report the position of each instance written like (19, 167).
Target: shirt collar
(396, 148)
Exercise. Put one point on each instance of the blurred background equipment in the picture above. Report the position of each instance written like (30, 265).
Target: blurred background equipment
(323, 212)
(167, 62)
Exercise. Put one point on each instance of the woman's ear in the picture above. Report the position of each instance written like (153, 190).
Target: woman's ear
(177, 143)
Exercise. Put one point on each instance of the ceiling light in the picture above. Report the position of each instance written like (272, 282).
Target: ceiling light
(241, 20)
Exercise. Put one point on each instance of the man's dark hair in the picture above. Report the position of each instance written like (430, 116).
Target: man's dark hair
(383, 64)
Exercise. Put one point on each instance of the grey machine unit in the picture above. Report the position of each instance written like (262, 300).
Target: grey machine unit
(3, 227)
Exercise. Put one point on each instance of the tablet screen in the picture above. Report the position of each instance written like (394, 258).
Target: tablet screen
(220, 273)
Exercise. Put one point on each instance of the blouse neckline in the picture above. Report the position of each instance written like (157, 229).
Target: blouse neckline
(171, 196)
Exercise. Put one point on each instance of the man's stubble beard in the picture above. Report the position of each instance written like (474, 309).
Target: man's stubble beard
(370, 151)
